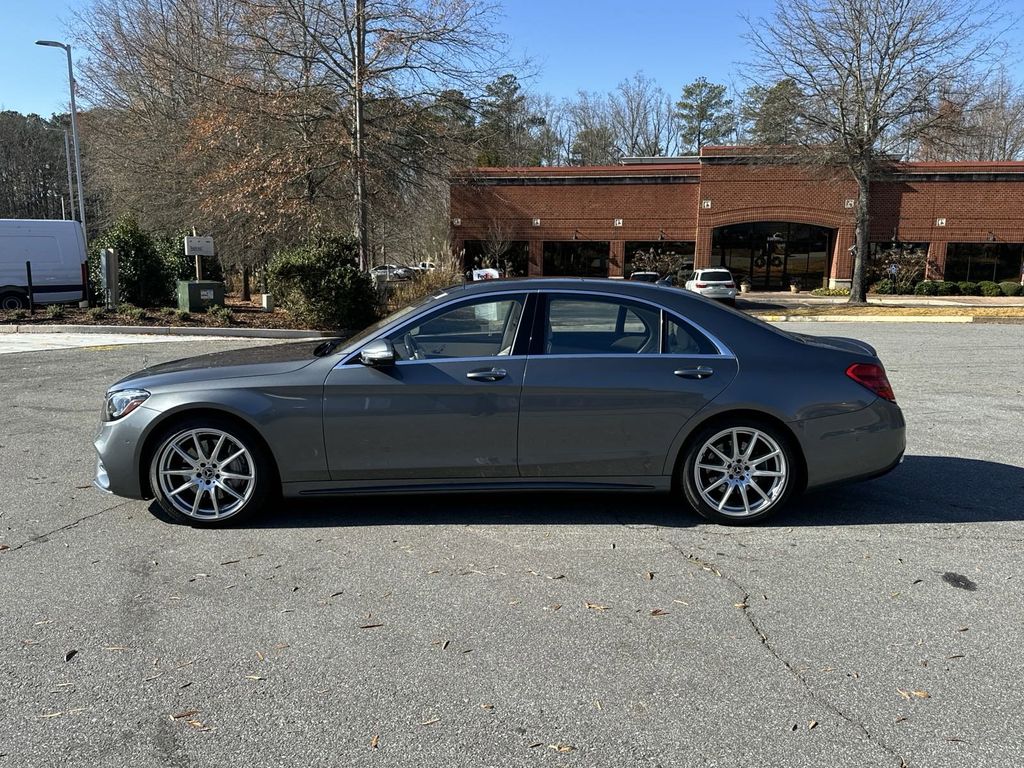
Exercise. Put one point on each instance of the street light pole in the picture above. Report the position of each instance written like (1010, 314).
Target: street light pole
(74, 133)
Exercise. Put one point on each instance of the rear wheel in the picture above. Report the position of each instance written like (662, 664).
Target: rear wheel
(208, 472)
(13, 300)
(739, 471)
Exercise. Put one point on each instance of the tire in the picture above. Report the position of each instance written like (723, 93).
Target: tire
(718, 471)
(13, 300)
(192, 482)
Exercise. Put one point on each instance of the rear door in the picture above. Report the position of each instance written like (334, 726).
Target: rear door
(610, 383)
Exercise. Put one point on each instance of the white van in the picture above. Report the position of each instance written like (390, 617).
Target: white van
(56, 250)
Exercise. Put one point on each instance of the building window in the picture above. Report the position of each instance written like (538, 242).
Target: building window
(772, 253)
(510, 257)
(975, 262)
(575, 258)
(663, 257)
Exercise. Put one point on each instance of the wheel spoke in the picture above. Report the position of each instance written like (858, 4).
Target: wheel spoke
(725, 459)
(725, 498)
(233, 476)
(762, 459)
(757, 488)
(716, 484)
(199, 448)
(746, 501)
(181, 488)
(750, 446)
(735, 444)
(229, 489)
(232, 457)
(216, 506)
(708, 467)
(216, 449)
(767, 473)
(195, 504)
(186, 472)
(191, 461)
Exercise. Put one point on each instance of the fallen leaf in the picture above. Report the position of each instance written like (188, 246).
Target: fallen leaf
(553, 607)
(904, 694)
(681, 602)
(901, 718)
(230, 562)
(487, 706)
(335, 594)
(280, 646)
(649, 575)
(152, 677)
(70, 655)
(559, 576)
(955, 656)
(50, 714)
(922, 694)
(536, 744)
(186, 713)
(561, 747)
(254, 677)
(370, 626)
(962, 629)
(259, 656)
(659, 612)
(596, 607)
(739, 605)
(116, 648)
(431, 721)
(3, 547)
(374, 741)
(812, 724)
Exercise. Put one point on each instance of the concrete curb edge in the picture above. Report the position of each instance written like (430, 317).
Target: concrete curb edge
(250, 333)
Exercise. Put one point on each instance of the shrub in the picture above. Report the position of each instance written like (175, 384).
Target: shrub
(988, 288)
(968, 288)
(926, 288)
(830, 292)
(319, 283)
(131, 313)
(55, 312)
(901, 265)
(19, 314)
(144, 278)
(946, 288)
(1010, 288)
(885, 287)
(220, 315)
(96, 313)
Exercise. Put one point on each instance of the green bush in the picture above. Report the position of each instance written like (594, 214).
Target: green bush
(96, 313)
(19, 314)
(319, 283)
(1010, 288)
(885, 287)
(968, 288)
(926, 288)
(55, 312)
(830, 292)
(145, 279)
(131, 313)
(988, 288)
(946, 288)
(219, 314)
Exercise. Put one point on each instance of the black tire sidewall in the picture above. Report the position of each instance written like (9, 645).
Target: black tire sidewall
(691, 454)
(22, 300)
(266, 477)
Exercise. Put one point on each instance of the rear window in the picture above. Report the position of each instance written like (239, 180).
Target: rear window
(716, 276)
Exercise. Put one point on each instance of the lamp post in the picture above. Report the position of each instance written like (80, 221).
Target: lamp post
(74, 133)
(71, 183)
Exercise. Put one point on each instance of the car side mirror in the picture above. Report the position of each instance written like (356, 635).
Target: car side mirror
(378, 354)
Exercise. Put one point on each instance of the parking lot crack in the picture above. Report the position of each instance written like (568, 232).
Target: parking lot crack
(762, 636)
(42, 538)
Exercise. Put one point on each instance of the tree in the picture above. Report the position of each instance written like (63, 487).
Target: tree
(509, 129)
(767, 116)
(33, 175)
(705, 115)
(867, 74)
(642, 118)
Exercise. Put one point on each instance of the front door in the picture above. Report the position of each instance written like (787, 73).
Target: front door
(449, 406)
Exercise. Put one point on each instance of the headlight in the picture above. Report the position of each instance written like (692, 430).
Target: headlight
(123, 402)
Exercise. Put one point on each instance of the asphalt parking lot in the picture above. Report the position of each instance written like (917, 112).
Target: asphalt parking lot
(879, 624)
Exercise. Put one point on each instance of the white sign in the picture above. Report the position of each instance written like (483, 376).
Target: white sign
(199, 246)
(485, 274)
(940, 222)
(705, 203)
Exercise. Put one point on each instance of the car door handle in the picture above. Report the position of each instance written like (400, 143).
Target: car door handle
(700, 372)
(490, 374)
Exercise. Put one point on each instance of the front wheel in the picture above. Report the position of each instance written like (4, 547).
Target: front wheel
(207, 472)
(738, 472)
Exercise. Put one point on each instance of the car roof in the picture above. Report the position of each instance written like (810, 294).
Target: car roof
(649, 291)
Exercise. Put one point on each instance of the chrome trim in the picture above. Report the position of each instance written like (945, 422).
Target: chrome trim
(723, 349)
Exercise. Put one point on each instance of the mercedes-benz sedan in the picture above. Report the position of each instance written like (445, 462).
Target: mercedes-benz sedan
(539, 384)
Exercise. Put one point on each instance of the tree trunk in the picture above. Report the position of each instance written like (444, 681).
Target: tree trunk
(362, 212)
(858, 287)
(246, 289)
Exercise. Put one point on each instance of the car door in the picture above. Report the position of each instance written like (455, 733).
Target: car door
(448, 408)
(610, 384)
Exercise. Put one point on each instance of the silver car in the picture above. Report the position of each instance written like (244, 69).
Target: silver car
(538, 384)
(715, 283)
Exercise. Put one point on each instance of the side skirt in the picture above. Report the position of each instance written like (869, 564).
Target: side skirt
(652, 484)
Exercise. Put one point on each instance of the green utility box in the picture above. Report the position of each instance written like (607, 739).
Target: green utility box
(199, 295)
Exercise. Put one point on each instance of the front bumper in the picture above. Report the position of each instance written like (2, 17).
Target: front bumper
(118, 447)
(852, 446)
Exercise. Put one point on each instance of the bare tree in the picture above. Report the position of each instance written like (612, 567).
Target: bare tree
(868, 74)
(642, 118)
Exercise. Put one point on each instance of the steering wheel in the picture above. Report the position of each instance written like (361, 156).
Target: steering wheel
(412, 347)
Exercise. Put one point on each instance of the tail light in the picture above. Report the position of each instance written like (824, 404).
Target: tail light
(702, 285)
(873, 377)
(730, 284)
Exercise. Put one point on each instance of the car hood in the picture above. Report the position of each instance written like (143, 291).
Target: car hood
(837, 342)
(235, 363)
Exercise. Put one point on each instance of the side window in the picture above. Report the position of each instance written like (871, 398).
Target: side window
(591, 325)
(483, 328)
(683, 339)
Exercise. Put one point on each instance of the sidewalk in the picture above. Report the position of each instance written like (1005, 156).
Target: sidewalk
(804, 299)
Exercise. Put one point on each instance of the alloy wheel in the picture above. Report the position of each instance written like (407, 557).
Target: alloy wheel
(206, 474)
(741, 472)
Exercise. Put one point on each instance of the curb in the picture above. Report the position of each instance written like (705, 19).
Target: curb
(141, 330)
(867, 318)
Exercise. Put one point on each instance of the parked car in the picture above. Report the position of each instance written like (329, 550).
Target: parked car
(645, 277)
(56, 251)
(716, 283)
(535, 384)
(387, 272)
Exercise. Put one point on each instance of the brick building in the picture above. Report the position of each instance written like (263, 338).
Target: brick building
(768, 221)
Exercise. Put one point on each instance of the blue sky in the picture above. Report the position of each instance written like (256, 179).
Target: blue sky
(574, 44)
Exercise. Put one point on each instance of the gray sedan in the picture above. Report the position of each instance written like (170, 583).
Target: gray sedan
(541, 384)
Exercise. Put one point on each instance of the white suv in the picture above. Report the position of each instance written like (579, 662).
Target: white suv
(714, 283)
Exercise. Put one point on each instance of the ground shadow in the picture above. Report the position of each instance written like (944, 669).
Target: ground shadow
(924, 489)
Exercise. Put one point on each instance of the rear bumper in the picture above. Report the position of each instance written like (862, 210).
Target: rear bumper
(852, 446)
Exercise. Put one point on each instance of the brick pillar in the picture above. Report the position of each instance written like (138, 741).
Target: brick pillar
(616, 258)
(936, 267)
(536, 258)
(841, 274)
(702, 248)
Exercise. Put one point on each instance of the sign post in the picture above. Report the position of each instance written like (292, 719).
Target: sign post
(199, 246)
